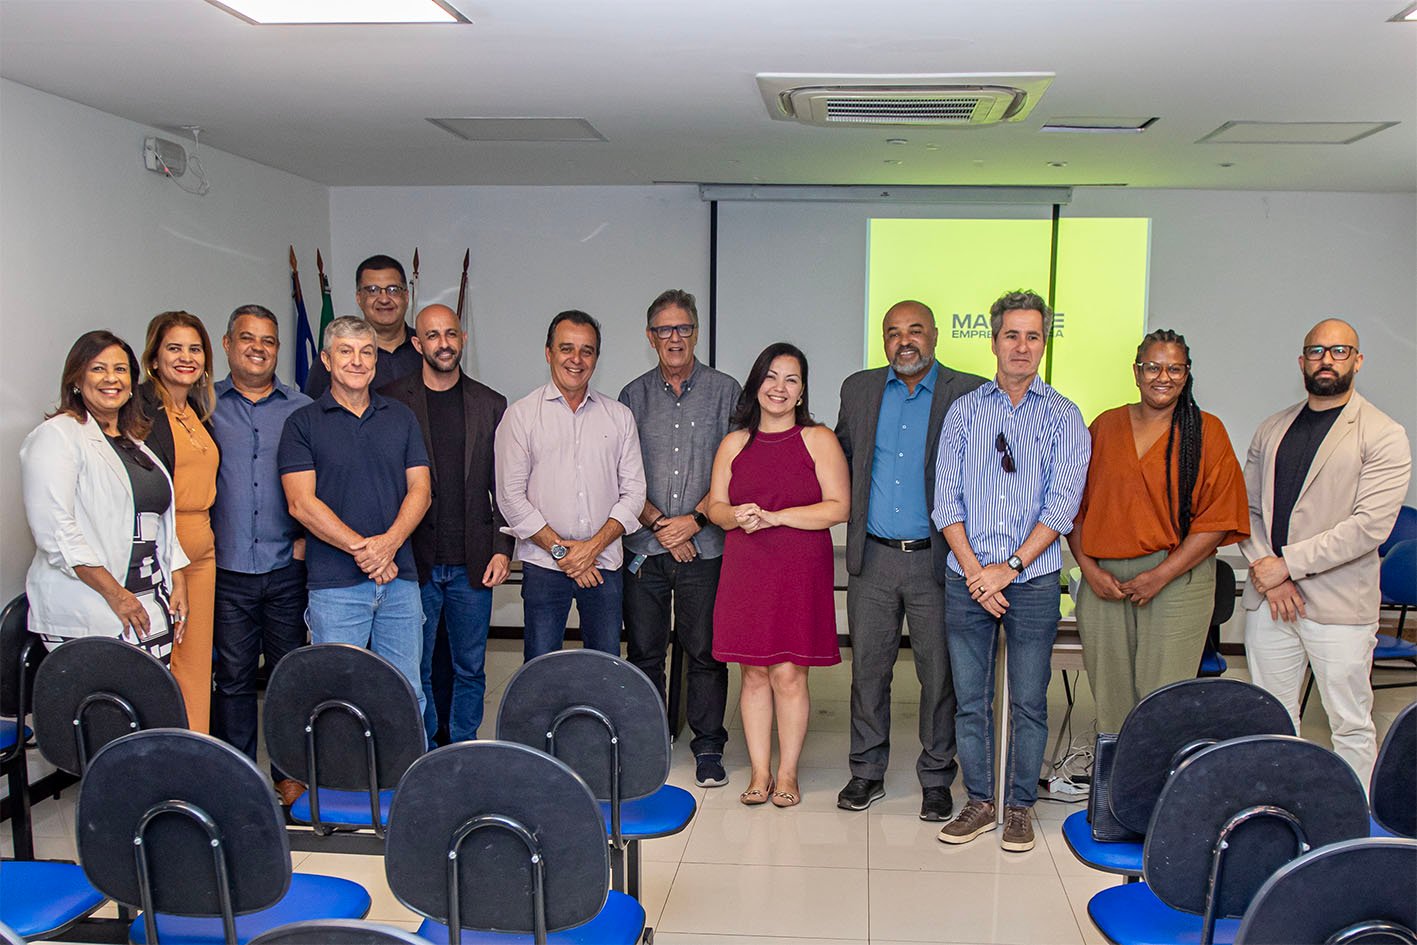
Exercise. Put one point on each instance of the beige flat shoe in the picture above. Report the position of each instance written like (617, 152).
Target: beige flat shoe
(755, 796)
(785, 799)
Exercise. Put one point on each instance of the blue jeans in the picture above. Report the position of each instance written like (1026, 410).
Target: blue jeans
(546, 603)
(1030, 626)
(386, 618)
(467, 611)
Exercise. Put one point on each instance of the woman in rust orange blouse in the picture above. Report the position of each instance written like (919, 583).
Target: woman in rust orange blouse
(1164, 490)
(177, 396)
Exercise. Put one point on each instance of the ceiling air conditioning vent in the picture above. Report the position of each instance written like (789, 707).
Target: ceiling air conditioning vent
(934, 100)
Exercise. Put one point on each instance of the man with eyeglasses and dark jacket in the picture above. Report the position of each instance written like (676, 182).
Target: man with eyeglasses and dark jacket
(381, 292)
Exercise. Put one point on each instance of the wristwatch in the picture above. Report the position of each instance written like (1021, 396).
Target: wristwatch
(700, 519)
(1015, 562)
(559, 551)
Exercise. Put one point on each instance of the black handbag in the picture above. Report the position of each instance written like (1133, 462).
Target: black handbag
(1105, 828)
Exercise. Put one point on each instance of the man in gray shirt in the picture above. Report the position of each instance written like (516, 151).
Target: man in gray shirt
(681, 408)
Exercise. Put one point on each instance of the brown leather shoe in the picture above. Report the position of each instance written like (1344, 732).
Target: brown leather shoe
(289, 790)
(976, 818)
(1018, 830)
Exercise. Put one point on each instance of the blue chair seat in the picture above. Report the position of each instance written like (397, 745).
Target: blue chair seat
(622, 920)
(1391, 648)
(666, 811)
(38, 897)
(1376, 829)
(342, 807)
(1131, 914)
(1213, 664)
(7, 733)
(1110, 857)
(309, 897)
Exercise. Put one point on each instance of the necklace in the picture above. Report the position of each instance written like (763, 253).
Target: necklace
(184, 419)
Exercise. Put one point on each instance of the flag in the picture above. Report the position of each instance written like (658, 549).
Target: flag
(327, 305)
(305, 350)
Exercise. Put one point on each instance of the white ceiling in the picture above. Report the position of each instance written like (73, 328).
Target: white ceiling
(671, 87)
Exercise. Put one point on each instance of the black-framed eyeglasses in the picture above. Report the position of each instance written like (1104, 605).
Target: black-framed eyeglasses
(1151, 370)
(665, 331)
(1007, 459)
(1337, 352)
(392, 291)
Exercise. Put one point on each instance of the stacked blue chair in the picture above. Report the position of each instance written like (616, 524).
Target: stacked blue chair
(39, 899)
(186, 828)
(1212, 662)
(20, 653)
(498, 842)
(346, 722)
(1353, 891)
(1228, 818)
(1392, 793)
(1131, 767)
(603, 717)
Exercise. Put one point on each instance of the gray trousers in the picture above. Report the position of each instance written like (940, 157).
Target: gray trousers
(893, 585)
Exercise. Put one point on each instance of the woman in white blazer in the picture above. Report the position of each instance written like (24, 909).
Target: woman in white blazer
(107, 561)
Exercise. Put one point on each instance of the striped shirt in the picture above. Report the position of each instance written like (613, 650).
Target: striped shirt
(999, 509)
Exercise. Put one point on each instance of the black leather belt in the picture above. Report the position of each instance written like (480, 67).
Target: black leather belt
(912, 544)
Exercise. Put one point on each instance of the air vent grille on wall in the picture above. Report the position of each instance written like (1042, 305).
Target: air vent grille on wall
(937, 100)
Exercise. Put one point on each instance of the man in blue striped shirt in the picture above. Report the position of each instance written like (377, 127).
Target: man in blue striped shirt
(1009, 476)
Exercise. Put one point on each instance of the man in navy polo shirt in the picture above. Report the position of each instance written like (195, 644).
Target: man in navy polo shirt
(355, 473)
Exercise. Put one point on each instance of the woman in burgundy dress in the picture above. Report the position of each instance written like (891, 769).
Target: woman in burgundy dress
(780, 481)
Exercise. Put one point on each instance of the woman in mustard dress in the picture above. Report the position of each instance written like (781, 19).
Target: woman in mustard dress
(177, 396)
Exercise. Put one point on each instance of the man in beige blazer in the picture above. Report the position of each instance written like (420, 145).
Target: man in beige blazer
(1326, 479)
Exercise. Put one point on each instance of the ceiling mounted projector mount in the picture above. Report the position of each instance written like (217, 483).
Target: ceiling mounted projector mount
(944, 101)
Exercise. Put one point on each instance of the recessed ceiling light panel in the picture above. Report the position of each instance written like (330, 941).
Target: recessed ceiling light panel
(307, 12)
(520, 129)
(1294, 132)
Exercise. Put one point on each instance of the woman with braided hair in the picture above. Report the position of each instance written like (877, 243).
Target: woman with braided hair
(1164, 490)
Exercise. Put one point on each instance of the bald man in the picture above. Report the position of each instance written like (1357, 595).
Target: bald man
(1326, 478)
(459, 548)
(889, 427)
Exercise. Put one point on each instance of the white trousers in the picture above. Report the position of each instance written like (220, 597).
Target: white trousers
(1342, 660)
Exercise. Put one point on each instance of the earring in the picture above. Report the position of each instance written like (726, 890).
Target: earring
(799, 401)
(74, 391)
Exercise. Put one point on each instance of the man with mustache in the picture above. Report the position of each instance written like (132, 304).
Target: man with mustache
(1326, 478)
(888, 426)
(458, 548)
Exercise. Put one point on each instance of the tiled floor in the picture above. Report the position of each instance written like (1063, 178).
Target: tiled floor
(815, 874)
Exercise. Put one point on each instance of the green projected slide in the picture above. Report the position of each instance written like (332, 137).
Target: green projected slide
(959, 267)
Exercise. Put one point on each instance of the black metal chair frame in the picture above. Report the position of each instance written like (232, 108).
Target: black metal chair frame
(15, 759)
(625, 863)
(214, 838)
(1222, 845)
(538, 871)
(81, 740)
(371, 754)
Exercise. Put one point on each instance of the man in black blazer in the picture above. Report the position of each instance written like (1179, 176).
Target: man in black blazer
(459, 548)
(889, 427)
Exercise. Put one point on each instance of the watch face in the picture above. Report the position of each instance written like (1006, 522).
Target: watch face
(559, 551)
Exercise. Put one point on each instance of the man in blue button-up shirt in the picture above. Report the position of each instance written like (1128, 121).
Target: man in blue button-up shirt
(1012, 463)
(888, 426)
(260, 549)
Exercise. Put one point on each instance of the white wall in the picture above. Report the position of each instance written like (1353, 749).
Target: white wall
(91, 239)
(535, 251)
(1242, 274)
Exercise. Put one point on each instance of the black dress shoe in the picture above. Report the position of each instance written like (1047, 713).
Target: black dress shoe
(860, 793)
(936, 804)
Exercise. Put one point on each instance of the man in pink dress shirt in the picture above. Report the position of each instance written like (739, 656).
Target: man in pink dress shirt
(571, 482)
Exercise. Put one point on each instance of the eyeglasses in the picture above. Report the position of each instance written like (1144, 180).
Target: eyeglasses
(1337, 352)
(665, 331)
(392, 291)
(1007, 460)
(1152, 370)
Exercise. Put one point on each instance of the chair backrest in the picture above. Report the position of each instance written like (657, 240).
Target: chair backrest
(1393, 792)
(443, 793)
(1183, 716)
(1224, 607)
(334, 681)
(1398, 576)
(1333, 890)
(132, 776)
(1306, 781)
(20, 654)
(337, 932)
(111, 688)
(1404, 529)
(544, 688)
